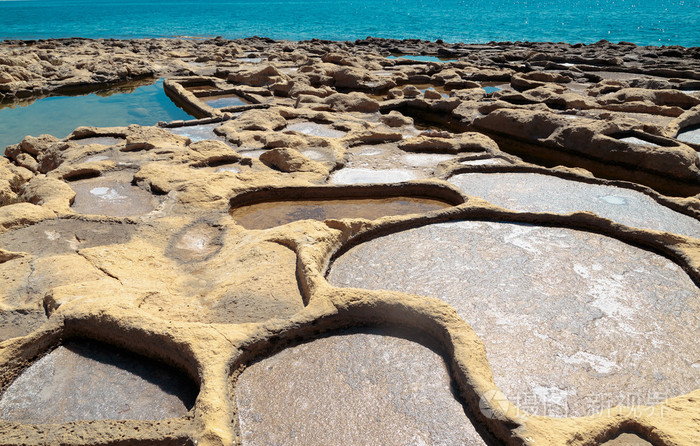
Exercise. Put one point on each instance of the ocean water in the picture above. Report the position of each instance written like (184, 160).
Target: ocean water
(60, 115)
(644, 22)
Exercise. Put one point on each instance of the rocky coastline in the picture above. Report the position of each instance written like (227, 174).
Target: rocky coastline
(216, 246)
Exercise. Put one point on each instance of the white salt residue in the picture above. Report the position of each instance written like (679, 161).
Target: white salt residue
(598, 363)
(106, 193)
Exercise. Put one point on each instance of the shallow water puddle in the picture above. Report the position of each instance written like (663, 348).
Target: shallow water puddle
(84, 380)
(199, 88)
(418, 58)
(271, 214)
(60, 115)
(112, 194)
(529, 192)
(225, 101)
(314, 129)
(425, 87)
(368, 176)
(352, 388)
(573, 322)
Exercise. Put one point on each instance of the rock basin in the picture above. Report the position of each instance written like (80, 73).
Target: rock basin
(627, 440)
(112, 194)
(638, 141)
(196, 242)
(85, 380)
(425, 159)
(691, 135)
(573, 322)
(484, 162)
(315, 129)
(368, 176)
(352, 388)
(197, 132)
(530, 192)
(270, 214)
(221, 101)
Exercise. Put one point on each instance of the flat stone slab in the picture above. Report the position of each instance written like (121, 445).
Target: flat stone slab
(573, 322)
(64, 236)
(352, 388)
(85, 380)
(271, 214)
(533, 192)
(234, 285)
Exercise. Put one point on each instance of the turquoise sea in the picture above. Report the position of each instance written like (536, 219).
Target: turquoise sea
(644, 22)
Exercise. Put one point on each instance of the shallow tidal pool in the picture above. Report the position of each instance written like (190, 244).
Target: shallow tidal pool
(60, 115)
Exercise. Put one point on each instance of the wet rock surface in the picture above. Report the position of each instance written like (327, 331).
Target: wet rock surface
(271, 214)
(386, 390)
(91, 381)
(123, 234)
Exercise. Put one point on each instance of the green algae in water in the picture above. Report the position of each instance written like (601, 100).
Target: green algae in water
(60, 115)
